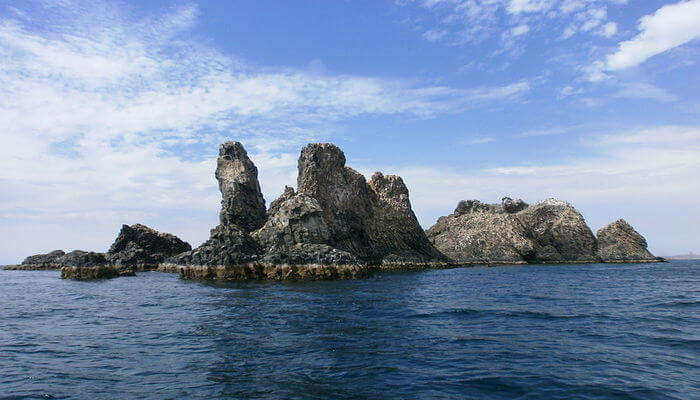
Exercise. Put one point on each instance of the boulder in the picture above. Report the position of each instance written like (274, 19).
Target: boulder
(513, 206)
(140, 246)
(242, 201)
(619, 241)
(559, 231)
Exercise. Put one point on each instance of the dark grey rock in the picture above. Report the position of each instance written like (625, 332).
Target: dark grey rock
(371, 220)
(80, 258)
(242, 201)
(96, 272)
(140, 246)
(227, 245)
(45, 260)
(512, 206)
(308, 253)
(619, 241)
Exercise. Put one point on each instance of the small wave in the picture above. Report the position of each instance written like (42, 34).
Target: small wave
(677, 304)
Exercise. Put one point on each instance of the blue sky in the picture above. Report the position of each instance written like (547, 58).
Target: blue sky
(112, 112)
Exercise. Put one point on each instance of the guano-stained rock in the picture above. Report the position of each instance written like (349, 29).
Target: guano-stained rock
(619, 241)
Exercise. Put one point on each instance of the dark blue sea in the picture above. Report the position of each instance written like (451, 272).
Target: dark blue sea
(528, 332)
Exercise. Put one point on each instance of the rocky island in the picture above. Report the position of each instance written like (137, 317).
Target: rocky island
(336, 224)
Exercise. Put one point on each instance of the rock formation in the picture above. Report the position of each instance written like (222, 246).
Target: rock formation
(482, 233)
(142, 247)
(44, 261)
(619, 242)
(242, 201)
(559, 231)
(336, 219)
(513, 232)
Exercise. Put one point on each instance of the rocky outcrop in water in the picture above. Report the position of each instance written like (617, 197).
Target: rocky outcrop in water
(551, 231)
(335, 218)
(144, 248)
(619, 242)
(96, 272)
(482, 233)
(559, 232)
(44, 261)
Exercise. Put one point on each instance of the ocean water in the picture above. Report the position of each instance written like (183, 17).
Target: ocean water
(527, 332)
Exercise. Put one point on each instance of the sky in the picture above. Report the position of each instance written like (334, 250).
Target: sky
(112, 112)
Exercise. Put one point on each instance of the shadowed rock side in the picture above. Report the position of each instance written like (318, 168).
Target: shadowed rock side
(559, 231)
(619, 242)
(144, 248)
(373, 221)
(514, 233)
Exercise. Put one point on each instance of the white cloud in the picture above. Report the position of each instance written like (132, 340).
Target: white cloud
(608, 30)
(118, 120)
(630, 174)
(644, 91)
(434, 35)
(528, 6)
(519, 30)
(670, 26)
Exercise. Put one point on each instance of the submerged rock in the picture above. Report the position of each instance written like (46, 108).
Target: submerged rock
(619, 241)
(140, 246)
(242, 201)
(513, 232)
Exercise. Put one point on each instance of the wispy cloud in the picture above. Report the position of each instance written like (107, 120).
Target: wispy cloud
(109, 114)
(670, 26)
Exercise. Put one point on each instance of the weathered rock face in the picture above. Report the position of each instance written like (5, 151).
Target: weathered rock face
(483, 233)
(242, 204)
(80, 258)
(140, 246)
(48, 260)
(513, 232)
(227, 245)
(559, 231)
(394, 229)
(618, 241)
(373, 221)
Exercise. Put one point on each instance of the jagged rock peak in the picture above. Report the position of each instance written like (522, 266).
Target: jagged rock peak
(242, 201)
(139, 245)
(619, 241)
(44, 259)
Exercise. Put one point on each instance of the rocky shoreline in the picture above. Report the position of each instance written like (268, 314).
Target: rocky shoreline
(338, 225)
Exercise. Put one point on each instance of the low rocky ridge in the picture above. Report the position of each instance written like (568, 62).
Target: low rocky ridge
(137, 247)
(619, 242)
(551, 231)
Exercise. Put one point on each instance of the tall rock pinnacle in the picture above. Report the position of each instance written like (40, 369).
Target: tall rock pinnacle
(242, 201)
